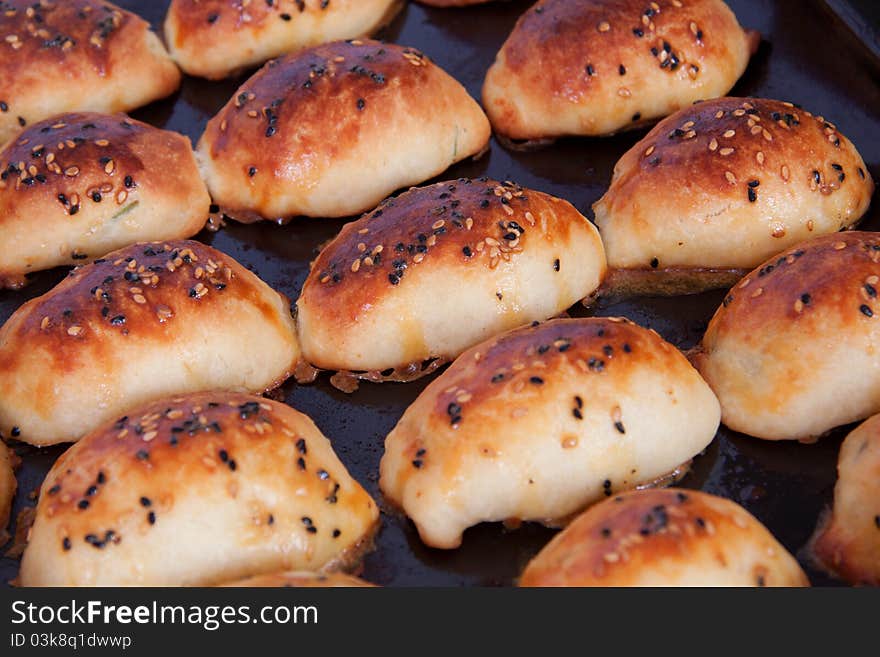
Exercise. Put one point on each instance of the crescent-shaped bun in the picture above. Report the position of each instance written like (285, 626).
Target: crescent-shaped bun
(333, 130)
(8, 486)
(848, 542)
(791, 353)
(196, 491)
(217, 38)
(150, 320)
(77, 186)
(664, 538)
(596, 67)
(440, 268)
(723, 185)
(540, 422)
(73, 55)
(300, 580)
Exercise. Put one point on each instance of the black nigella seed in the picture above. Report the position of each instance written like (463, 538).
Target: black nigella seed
(866, 310)
(622, 69)
(151, 517)
(361, 104)
(467, 252)
(556, 265)
(15, 432)
(145, 501)
(619, 426)
(453, 409)
(119, 320)
(753, 196)
(654, 263)
(537, 380)
(212, 18)
(66, 543)
(252, 171)
(393, 278)
(336, 533)
(590, 70)
(83, 504)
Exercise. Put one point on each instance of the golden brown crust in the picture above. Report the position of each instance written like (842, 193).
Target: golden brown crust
(308, 123)
(193, 491)
(848, 540)
(79, 185)
(63, 55)
(783, 350)
(457, 223)
(149, 303)
(584, 67)
(539, 422)
(664, 538)
(727, 183)
(216, 38)
(301, 580)
(513, 255)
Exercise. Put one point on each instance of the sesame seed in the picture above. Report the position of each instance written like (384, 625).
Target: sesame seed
(603, 26)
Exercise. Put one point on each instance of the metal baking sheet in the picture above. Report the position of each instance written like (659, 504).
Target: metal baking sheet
(806, 56)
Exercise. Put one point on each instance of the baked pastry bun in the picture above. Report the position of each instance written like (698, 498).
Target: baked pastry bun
(848, 540)
(195, 491)
(300, 580)
(8, 486)
(790, 351)
(664, 538)
(542, 421)
(721, 186)
(333, 130)
(77, 186)
(440, 268)
(217, 38)
(597, 67)
(76, 55)
(150, 320)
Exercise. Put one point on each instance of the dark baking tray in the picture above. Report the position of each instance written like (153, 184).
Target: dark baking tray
(807, 56)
